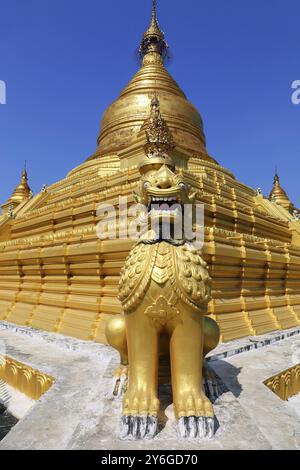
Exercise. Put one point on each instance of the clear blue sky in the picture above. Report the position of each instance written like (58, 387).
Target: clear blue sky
(65, 61)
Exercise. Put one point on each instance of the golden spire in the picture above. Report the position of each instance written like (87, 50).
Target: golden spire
(279, 195)
(153, 9)
(153, 41)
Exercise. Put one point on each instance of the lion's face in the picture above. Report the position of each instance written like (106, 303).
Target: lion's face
(164, 194)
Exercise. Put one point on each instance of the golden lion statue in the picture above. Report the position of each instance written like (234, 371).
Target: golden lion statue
(164, 290)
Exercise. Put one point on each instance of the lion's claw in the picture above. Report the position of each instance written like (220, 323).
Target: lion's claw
(193, 427)
(138, 427)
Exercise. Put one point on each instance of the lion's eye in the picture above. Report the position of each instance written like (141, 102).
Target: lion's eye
(182, 186)
(146, 185)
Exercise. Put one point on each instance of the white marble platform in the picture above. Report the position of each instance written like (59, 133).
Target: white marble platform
(76, 412)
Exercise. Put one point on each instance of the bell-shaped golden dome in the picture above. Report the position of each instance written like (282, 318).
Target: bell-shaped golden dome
(125, 116)
(279, 195)
(22, 191)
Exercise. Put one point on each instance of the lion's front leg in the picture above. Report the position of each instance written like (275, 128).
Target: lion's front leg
(193, 409)
(140, 403)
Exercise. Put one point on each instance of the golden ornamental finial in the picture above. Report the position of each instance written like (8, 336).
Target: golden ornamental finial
(159, 139)
(154, 9)
(24, 173)
(276, 176)
(153, 41)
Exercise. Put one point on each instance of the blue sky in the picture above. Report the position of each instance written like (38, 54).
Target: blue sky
(65, 61)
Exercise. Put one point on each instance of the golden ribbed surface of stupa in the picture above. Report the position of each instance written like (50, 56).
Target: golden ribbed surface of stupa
(57, 275)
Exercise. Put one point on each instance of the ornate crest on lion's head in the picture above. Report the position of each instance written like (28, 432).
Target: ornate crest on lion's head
(162, 190)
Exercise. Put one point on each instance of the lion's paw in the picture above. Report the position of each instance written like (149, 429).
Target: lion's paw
(138, 427)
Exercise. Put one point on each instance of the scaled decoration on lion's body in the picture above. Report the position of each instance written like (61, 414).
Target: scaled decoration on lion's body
(166, 271)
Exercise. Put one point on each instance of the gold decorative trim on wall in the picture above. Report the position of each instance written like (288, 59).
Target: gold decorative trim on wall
(25, 379)
(286, 384)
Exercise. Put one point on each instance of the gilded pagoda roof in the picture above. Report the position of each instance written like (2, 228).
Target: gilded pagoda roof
(123, 119)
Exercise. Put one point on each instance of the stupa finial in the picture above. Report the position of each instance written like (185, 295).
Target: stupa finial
(24, 173)
(153, 42)
(154, 10)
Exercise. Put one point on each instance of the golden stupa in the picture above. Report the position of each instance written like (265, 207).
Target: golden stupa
(279, 195)
(57, 275)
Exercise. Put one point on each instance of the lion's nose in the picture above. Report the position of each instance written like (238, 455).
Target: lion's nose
(164, 183)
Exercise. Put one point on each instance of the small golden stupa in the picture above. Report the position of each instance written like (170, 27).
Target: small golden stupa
(57, 275)
(20, 195)
(279, 196)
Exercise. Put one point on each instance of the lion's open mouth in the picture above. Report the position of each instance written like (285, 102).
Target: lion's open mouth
(163, 205)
